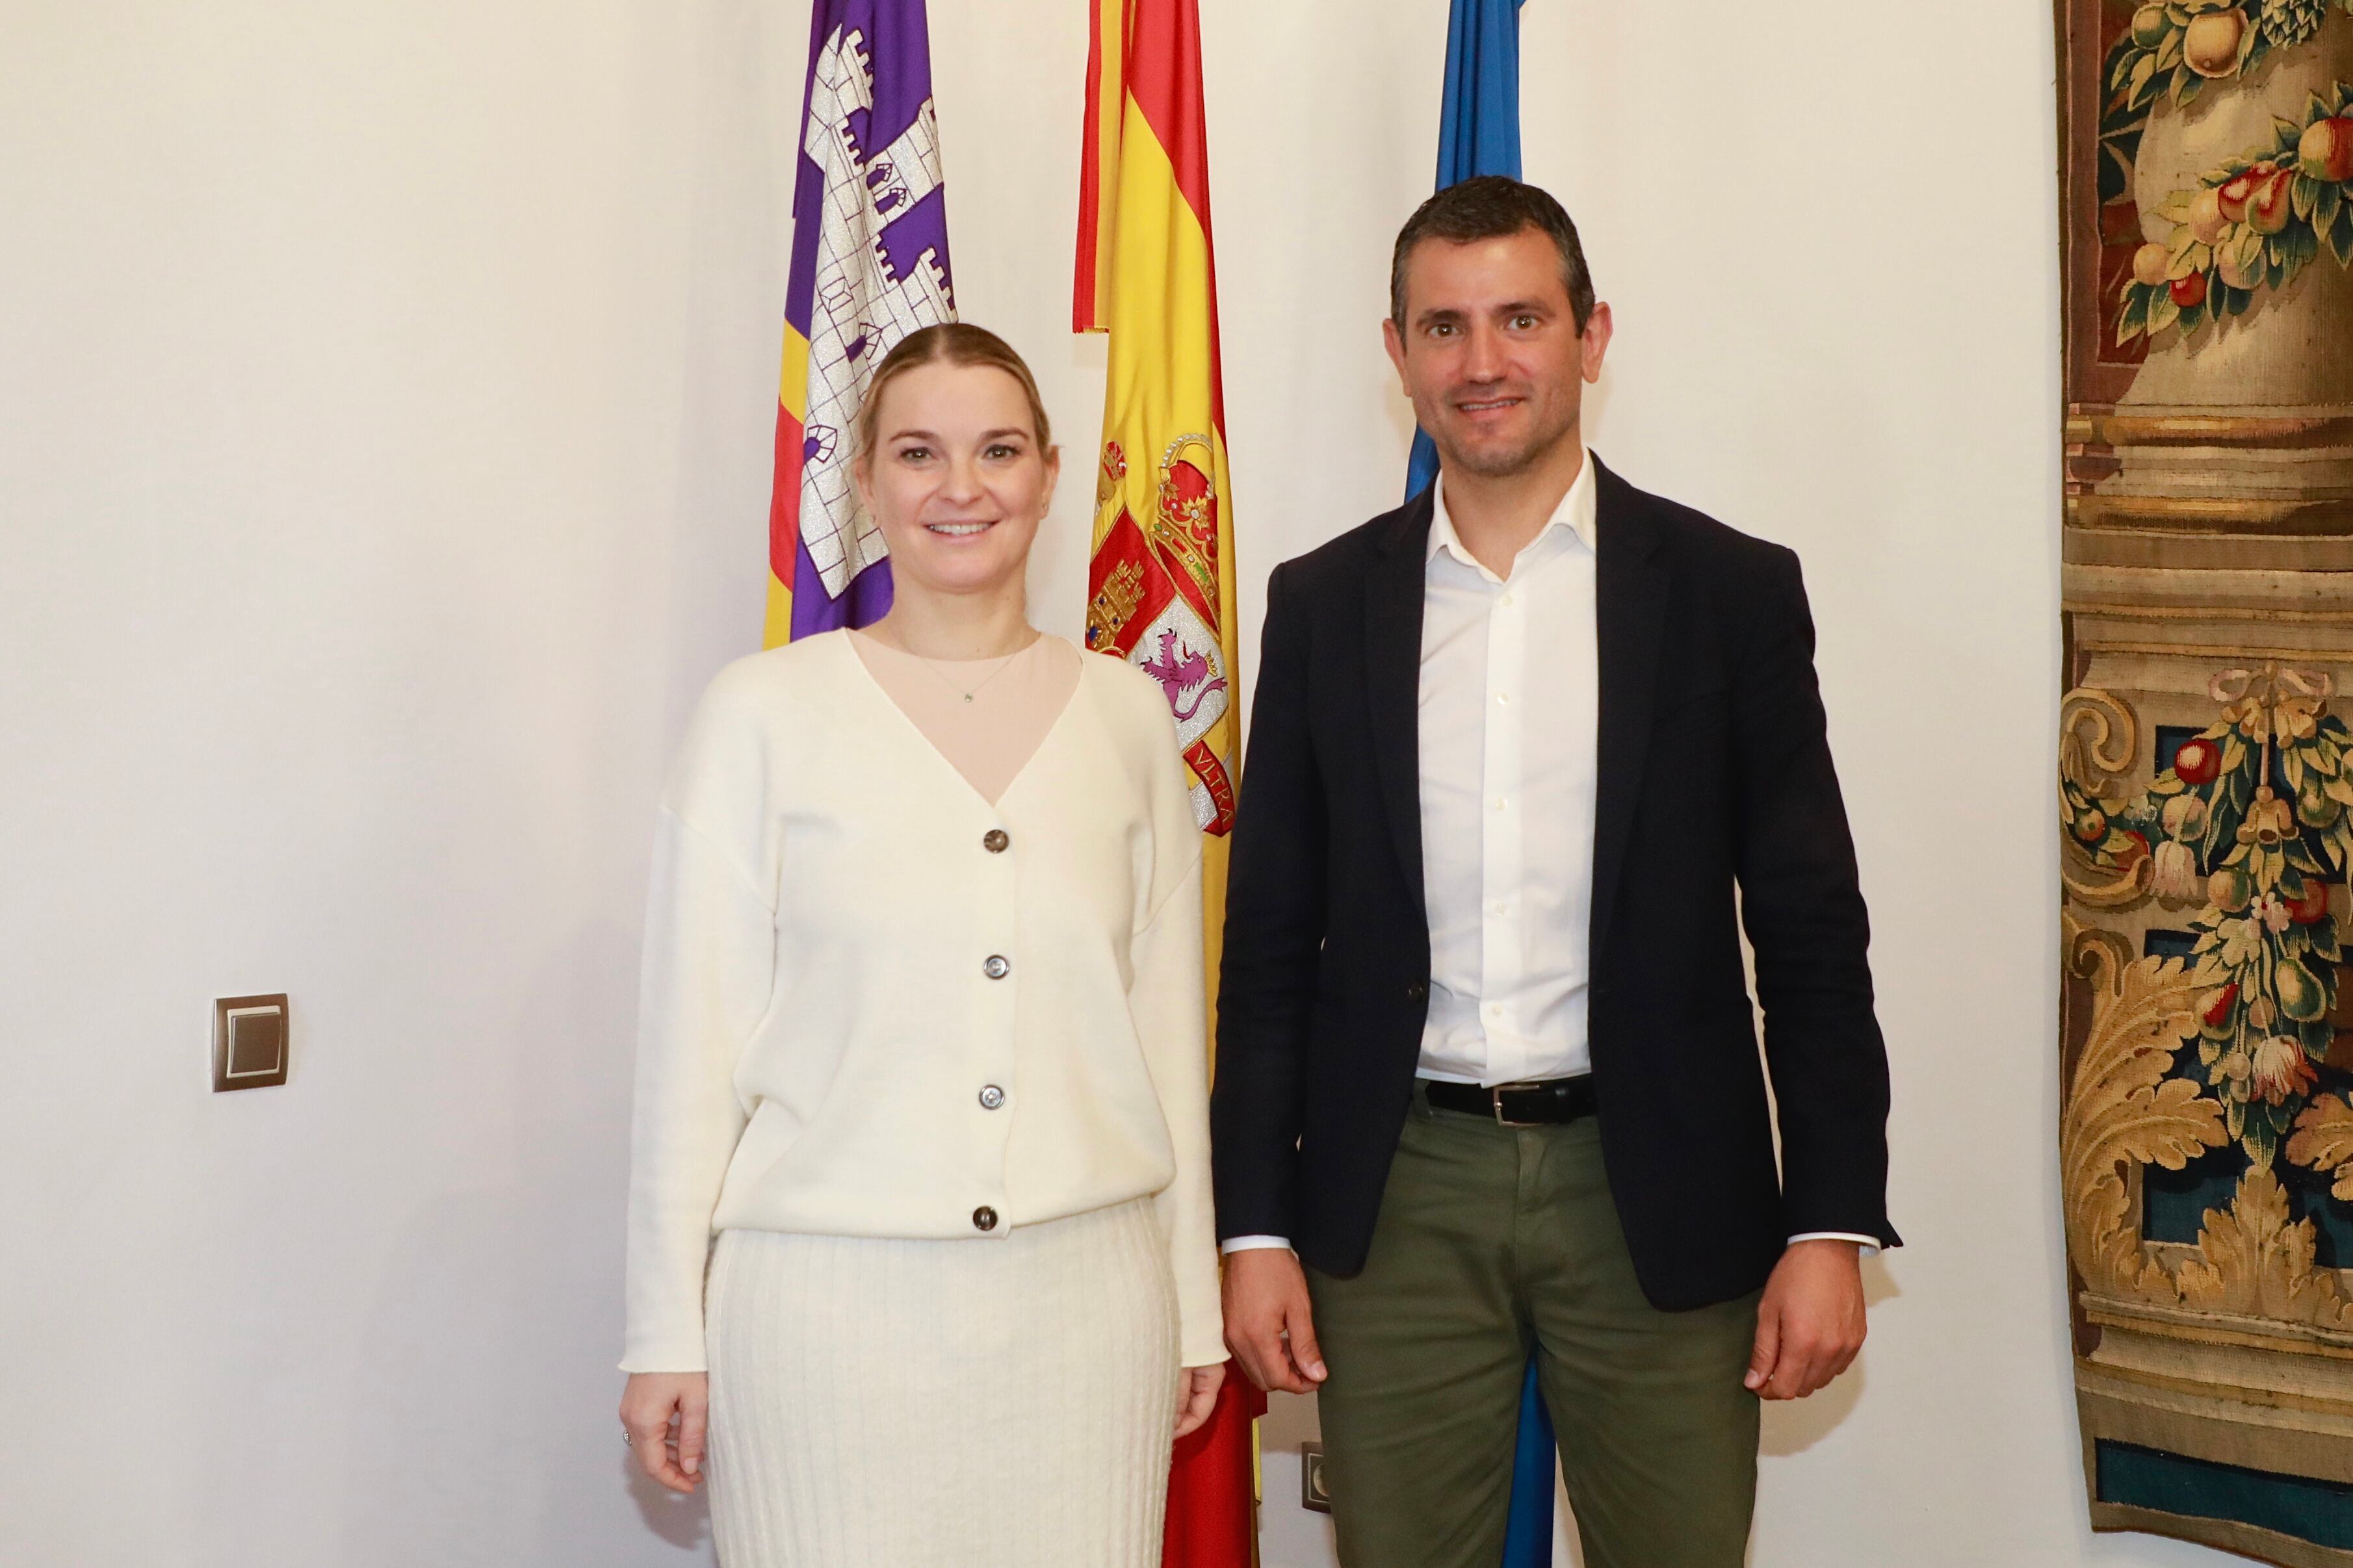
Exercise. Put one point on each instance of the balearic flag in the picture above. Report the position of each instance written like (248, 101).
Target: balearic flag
(870, 266)
(1160, 586)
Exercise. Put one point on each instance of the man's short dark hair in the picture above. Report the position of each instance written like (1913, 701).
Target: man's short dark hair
(1492, 206)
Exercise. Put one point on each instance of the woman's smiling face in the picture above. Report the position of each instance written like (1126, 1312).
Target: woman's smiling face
(956, 477)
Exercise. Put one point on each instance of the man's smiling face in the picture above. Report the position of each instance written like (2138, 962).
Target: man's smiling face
(1490, 350)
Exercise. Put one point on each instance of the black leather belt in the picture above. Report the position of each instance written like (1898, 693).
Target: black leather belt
(1546, 1103)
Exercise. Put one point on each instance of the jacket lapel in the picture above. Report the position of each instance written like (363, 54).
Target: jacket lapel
(1393, 590)
(1629, 610)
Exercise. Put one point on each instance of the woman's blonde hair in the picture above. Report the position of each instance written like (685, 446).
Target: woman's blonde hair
(948, 342)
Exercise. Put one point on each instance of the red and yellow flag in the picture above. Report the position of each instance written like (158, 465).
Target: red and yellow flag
(1160, 588)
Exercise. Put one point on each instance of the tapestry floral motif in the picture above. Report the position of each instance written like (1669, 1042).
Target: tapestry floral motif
(2247, 827)
(2248, 830)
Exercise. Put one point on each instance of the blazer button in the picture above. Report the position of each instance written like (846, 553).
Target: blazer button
(984, 1218)
(998, 966)
(994, 841)
(1416, 992)
(991, 1097)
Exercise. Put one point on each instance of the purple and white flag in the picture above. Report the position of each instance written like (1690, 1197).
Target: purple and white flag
(870, 266)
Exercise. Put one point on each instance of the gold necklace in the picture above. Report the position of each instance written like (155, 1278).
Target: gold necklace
(1002, 666)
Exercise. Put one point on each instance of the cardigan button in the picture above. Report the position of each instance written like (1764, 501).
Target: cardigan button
(994, 840)
(984, 1218)
(1416, 992)
(998, 966)
(991, 1097)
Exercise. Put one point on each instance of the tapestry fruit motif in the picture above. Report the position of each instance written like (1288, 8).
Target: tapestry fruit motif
(2253, 224)
(2256, 220)
(2174, 50)
(2249, 827)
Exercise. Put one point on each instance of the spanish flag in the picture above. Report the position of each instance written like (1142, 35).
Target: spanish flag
(1160, 586)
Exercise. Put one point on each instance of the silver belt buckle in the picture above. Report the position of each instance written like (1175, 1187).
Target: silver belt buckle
(1495, 1101)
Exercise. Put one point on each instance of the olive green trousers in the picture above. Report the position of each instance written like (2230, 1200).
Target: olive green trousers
(1493, 1242)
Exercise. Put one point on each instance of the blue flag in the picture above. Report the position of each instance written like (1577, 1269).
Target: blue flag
(1478, 133)
(1527, 1540)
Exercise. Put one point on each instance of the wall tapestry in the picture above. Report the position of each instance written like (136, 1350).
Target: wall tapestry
(2206, 768)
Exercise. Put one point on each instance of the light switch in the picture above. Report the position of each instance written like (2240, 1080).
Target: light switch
(249, 1042)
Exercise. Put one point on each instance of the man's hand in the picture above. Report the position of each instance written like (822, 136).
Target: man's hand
(1811, 1323)
(1268, 1326)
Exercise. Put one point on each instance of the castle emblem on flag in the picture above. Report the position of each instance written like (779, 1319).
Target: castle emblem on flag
(1152, 599)
(879, 277)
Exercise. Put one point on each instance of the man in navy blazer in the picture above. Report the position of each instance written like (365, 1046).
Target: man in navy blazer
(1527, 754)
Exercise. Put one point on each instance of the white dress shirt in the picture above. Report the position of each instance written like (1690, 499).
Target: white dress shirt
(1509, 711)
(1509, 705)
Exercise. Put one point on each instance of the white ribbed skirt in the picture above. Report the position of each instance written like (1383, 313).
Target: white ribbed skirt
(881, 1403)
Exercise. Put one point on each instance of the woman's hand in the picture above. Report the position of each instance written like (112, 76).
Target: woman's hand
(665, 1415)
(1199, 1397)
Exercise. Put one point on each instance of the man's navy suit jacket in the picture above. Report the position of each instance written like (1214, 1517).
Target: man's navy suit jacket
(1715, 778)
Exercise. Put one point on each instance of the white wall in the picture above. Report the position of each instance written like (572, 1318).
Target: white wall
(385, 397)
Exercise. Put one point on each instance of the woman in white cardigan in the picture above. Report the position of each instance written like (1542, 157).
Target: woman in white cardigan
(923, 1049)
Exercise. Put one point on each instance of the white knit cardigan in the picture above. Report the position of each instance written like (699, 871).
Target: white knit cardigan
(875, 1004)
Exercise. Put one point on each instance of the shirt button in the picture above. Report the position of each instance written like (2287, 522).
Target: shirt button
(991, 1097)
(998, 966)
(1504, 699)
(994, 841)
(984, 1218)
(1506, 600)
(1503, 909)
(1499, 802)
(1494, 1009)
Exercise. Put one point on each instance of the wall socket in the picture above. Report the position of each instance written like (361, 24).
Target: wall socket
(251, 1042)
(1313, 1494)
